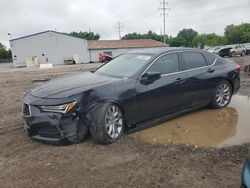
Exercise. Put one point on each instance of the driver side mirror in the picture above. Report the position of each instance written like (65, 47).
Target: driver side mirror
(149, 77)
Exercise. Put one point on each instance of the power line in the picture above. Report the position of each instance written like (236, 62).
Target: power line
(119, 27)
(164, 8)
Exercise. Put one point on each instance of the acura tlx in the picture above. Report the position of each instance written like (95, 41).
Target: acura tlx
(134, 90)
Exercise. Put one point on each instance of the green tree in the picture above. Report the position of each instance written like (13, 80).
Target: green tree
(188, 35)
(133, 35)
(86, 35)
(184, 38)
(4, 53)
(149, 35)
(177, 42)
(237, 33)
(209, 40)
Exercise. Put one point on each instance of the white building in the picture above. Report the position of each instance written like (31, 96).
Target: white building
(117, 47)
(48, 47)
(59, 48)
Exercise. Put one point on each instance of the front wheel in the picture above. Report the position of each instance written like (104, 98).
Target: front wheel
(106, 123)
(222, 95)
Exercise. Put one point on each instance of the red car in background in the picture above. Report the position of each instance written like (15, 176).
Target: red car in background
(104, 58)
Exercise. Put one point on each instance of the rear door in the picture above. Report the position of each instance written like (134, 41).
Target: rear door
(198, 74)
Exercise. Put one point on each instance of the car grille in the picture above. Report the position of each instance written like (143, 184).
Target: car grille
(49, 132)
(26, 110)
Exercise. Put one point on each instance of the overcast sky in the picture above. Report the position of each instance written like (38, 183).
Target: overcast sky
(24, 17)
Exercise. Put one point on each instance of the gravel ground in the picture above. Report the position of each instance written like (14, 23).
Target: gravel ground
(126, 163)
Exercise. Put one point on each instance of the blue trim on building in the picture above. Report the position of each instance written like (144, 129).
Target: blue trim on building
(45, 32)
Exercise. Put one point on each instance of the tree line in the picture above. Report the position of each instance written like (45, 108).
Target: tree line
(86, 35)
(233, 34)
(187, 37)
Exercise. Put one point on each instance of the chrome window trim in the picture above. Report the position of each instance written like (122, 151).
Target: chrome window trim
(179, 71)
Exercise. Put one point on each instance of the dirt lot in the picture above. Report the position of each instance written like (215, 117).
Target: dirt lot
(127, 163)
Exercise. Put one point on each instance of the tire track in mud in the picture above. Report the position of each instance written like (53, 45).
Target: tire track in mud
(10, 130)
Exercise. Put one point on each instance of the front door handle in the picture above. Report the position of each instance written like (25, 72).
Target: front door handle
(210, 70)
(179, 81)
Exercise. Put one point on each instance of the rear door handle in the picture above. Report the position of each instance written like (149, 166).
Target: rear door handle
(210, 70)
(179, 81)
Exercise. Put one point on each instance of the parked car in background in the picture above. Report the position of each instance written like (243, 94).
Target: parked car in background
(104, 58)
(245, 175)
(247, 46)
(243, 47)
(212, 49)
(237, 50)
(134, 90)
(223, 51)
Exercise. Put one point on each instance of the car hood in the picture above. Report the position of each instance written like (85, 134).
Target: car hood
(70, 85)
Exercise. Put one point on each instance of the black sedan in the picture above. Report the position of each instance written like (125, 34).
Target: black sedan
(133, 91)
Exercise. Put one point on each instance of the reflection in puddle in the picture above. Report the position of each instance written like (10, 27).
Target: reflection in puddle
(207, 127)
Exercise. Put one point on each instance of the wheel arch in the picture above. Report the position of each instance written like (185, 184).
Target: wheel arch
(231, 83)
(106, 101)
(113, 101)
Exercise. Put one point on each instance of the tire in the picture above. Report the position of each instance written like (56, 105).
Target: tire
(101, 131)
(221, 93)
(232, 54)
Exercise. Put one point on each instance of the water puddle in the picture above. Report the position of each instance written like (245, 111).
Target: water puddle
(206, 128)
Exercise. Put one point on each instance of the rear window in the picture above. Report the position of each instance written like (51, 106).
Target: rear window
(193, 60)
(210, 58)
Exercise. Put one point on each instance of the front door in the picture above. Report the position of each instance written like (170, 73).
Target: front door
(164, 95)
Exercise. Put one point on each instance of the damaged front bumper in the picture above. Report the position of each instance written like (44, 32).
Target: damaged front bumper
(51, 127)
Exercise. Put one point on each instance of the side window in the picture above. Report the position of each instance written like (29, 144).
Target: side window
(193, 60)
(166, 64)
(210, 58)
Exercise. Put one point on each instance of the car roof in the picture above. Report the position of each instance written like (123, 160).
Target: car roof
(157, 51)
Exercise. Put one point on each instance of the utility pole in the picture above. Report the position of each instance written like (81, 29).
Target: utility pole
(119, 27)
(164, 8)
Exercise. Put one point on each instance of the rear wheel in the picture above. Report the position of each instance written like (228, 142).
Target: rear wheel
(222, 95)
(106, 123)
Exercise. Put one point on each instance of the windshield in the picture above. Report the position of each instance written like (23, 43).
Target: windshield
(124, 65)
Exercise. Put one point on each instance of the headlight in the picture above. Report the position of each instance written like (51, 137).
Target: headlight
(60, 108)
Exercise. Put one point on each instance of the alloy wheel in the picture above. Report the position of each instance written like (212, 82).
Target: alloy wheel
(223, 94)
(113, 122)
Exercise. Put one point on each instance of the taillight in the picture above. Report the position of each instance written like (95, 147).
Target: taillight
(237, 66)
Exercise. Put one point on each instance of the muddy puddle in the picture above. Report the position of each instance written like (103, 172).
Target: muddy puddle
(206, 128)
